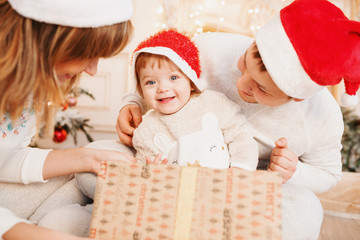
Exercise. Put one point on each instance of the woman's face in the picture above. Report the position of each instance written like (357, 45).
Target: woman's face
(65, 71)
(256, 86)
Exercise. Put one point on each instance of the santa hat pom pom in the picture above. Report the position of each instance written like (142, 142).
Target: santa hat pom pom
(349, 100)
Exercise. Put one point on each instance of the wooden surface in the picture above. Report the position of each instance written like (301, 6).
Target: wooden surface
(337, 228)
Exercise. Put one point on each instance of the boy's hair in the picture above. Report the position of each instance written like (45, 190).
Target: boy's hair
(257, 56)
(145, 59)
(31, 49)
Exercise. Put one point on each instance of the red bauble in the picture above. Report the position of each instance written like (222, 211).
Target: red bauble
(59, 135)
(71, 101)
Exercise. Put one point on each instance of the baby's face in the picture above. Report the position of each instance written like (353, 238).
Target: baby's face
(165, 89)
(256, 86)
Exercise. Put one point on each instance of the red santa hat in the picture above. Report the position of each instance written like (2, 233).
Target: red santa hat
(178, 48)
(78, 13)
(311, 44)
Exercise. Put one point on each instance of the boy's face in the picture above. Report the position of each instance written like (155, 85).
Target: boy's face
(165, 89)
(256, 86)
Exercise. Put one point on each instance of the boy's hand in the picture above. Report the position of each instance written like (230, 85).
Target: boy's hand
(129, 118)
(157, 160)
(283, 160)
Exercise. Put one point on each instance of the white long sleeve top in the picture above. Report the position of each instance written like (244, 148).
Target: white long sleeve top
(313, 127)
(222, 140)
(19, 163)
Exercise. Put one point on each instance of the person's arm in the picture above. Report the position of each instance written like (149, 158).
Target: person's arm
(27, 231)
(243, 148)
(130, 116)
(238, 136)
(320, 167)
(37, 165)
(14, 228)
(77, 160)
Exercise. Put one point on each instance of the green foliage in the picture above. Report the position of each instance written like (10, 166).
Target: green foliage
(351, 141)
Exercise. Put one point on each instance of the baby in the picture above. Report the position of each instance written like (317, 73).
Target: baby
(186, 124)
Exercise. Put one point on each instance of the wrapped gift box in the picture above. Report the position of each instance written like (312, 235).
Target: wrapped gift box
(153, 202)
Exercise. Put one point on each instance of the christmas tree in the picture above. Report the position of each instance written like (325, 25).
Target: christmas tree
(68, 120)
(351, 141)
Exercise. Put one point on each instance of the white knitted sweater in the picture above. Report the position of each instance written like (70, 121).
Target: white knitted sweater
(194, 136)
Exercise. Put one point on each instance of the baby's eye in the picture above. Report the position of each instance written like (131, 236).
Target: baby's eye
(174, 77)
(150, 82)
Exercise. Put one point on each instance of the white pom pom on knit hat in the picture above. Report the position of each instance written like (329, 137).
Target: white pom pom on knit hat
(311, 44)
(75, 13)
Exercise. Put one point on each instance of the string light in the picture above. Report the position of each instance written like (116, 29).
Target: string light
(195, 17)
(160, 10)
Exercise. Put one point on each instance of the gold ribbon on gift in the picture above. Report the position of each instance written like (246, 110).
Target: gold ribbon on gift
(187, 188)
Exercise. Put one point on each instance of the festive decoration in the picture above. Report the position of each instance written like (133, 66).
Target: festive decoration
(71, 101)
(351, 141)
(69, 120)
(80, 13)
(178, 48)
(60, 135)
(294, 67)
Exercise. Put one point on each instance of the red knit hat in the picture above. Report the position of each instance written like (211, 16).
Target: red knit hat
(311, 44)
(178, 48)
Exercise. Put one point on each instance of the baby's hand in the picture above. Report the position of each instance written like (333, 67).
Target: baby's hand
(157, 160)
(283, 160)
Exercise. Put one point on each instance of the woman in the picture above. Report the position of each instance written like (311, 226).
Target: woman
(45, 46)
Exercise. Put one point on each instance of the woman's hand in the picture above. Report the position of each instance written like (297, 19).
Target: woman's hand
(76, 160)
(129, 118)
(283, 160)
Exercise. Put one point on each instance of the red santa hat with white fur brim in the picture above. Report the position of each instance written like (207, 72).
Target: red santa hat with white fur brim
(78, 13)
(311, 44)
(179, 48)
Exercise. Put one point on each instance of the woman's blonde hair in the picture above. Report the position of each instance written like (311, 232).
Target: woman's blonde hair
(31, 49)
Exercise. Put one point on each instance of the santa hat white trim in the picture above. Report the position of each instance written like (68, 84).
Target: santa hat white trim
(347, 100)
(282, 62)
(75, 13)
(178, 61)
